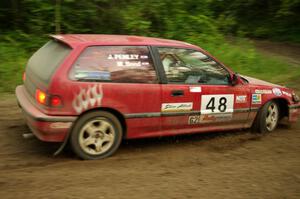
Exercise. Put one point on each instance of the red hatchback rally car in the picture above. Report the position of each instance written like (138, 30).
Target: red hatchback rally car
(95, 90)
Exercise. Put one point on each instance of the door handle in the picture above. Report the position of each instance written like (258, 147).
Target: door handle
(175, 93)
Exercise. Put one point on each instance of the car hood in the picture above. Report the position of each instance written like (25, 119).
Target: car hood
(259, 82)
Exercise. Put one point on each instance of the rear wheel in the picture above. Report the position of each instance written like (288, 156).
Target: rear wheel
(96, 135)
(267, 118)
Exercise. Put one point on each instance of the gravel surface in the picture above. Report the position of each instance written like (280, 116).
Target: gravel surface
(217, 165)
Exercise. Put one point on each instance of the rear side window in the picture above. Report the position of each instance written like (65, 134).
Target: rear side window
(128, 64)
(44, 62)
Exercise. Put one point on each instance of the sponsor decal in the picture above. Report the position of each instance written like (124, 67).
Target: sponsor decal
(102, 75)
(60, 125)
(241, 99)
(88, 98)
(287, 94)
(256, 98)
(217, 104)
(209, 118)
(277, 91)
(194, 119)
(175, 107)
(223, 117)
(259, 91)
(195, 89)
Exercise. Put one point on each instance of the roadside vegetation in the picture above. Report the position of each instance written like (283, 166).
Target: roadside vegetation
(25, 25)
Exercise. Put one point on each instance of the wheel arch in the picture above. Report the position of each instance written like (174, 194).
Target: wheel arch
(116, 113)
(283, 105)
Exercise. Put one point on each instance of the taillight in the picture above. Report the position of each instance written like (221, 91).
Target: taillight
(24, 76)
(41, 97)
(55, 101)
(47, 99)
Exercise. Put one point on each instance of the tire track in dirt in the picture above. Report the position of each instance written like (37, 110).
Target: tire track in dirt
(234, 164)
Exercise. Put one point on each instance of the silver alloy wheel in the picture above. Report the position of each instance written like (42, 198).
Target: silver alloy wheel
(96, 136)
(272, 117)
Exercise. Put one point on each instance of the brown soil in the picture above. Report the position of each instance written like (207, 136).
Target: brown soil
(216, 165)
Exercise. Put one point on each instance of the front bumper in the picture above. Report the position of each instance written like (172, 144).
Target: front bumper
(45, 127)
(294, 112)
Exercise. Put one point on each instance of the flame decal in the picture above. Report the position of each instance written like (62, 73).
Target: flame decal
(88, 98)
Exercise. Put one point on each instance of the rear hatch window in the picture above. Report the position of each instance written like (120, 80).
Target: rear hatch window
(43, 64)
(45, 61)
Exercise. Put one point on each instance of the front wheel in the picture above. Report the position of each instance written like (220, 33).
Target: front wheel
(267, 118)
(96, 135)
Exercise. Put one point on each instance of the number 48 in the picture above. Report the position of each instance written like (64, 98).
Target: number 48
(222, 104)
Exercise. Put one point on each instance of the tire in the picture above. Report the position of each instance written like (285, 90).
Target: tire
(96, 135)
(267, 118)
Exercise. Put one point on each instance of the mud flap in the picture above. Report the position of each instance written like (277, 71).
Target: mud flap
(63, 144)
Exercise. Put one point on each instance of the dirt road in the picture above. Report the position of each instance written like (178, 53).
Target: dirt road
(286, 51)
(219, 165)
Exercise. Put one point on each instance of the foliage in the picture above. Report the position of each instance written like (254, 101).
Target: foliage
(25, 25)
(13, 59)
(243, 58)
(275, 19)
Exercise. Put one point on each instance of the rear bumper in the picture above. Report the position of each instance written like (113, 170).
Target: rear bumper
(45, 127)
(294, 112)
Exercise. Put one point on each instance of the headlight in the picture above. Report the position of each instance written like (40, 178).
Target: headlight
(296, 98)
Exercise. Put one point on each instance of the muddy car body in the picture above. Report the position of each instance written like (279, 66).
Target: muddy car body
(95, 90)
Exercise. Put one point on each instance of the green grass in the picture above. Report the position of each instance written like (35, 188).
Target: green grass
(13, 59)
(240, 55)
(243, 58)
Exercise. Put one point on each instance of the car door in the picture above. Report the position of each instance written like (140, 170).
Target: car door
(118, 78)
(198, 94)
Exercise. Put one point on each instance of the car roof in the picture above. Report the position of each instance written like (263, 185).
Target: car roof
(74, 40)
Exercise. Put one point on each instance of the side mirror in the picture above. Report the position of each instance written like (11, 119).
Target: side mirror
(234, 79)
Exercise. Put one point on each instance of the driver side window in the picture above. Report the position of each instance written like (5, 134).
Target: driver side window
(189, 66)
